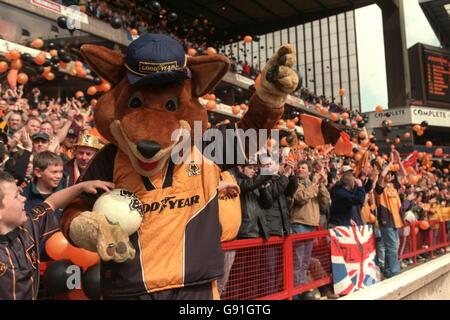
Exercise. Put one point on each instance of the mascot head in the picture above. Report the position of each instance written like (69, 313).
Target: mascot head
(155, 90)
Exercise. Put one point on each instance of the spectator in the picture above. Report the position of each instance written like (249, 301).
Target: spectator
(389, 219)
(253, 223)
(41, 142)
(273, 198)
(305, 217)
(14, 123)
(85, 149)
(30, 228)
(347, 198)
(48, 178)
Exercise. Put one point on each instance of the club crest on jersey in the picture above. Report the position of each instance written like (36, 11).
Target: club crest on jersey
(3, 268)
(193, 170)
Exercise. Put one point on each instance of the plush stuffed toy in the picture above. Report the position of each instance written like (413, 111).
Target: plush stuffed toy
(176, 253)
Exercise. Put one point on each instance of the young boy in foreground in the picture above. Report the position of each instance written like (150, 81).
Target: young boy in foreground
(22, 232)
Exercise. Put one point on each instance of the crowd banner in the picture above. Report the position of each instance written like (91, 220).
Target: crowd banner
(353, 258)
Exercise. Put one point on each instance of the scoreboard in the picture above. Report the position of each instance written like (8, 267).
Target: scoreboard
(430, 75)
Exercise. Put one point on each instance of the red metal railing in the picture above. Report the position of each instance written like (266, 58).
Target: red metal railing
(258, 269)
(276, 269)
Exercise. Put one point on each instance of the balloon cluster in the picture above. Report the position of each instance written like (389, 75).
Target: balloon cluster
(56, 276)
(14, 63)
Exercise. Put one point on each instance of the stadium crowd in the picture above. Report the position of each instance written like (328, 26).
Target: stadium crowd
(46, 145)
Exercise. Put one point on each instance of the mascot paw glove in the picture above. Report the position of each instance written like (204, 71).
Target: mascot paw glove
(278, 77)
(92, 231)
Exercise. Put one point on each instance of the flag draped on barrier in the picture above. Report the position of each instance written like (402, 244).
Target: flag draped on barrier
(353, 258)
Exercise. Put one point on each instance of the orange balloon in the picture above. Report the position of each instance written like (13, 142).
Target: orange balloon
(210, 105)
(429, 144)
(106, 87)
(290, 124)
(37, 43)
(3, 66)
(236, 110)
(50, 76)
(424, 225)
(91, 90)
(342, 92)
(53, 52)
(248, 39)
(16, 64)
(81, 72)
(13, 55)
(258, 81)
(410, 170)
(378, 109)
(57, 246)
(211, 51)
(79, 94)
(407, 135)
(22, 78)
(334, 117)
(413, 179)
(39, 59)
(438, 152)
(192, 52)
(134, 32)
(82, 257)
(344, 115)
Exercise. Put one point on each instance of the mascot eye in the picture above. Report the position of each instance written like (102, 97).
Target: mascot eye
(136, 101)
(172, 105)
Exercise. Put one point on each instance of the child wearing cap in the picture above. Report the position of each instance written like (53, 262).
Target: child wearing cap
(22, 233)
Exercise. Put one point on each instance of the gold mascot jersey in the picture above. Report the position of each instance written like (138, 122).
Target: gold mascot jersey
(178, 243)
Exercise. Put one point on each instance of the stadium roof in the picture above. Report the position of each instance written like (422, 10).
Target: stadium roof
(262, 16)
(438, 14)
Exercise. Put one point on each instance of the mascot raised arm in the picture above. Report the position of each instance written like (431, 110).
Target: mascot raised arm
(176, 253)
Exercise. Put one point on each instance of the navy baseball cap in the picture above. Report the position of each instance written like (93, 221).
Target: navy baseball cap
(156, 59)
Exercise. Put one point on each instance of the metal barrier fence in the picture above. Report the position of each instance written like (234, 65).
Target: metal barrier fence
(281, 268)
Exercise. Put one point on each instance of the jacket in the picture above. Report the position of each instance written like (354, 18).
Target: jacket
(253, 224)
(274, 201)
(346, 204)
(307, 197)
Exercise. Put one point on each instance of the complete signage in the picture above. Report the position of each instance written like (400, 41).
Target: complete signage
(412, 115)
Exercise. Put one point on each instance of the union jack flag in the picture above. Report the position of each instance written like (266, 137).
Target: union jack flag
(353, 258)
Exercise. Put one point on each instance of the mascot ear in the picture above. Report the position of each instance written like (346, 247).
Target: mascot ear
(207, 71)
(105, 62)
